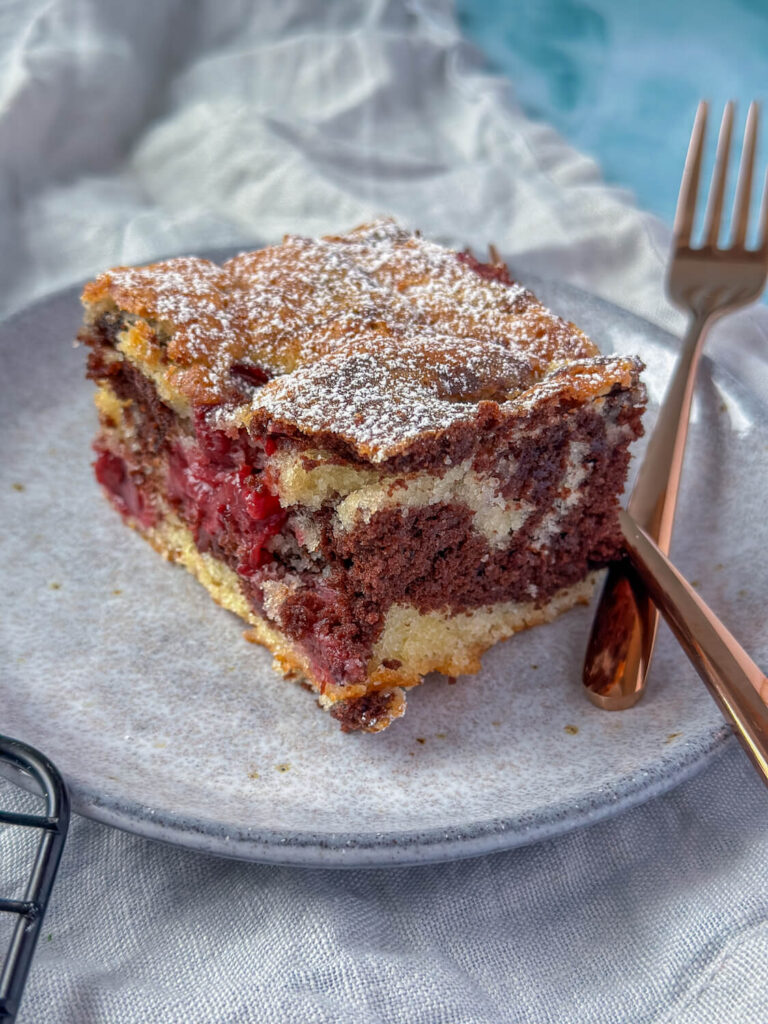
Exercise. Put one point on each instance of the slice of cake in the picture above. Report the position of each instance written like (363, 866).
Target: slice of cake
(383, 455)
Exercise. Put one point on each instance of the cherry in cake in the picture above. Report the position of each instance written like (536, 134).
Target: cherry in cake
(383, 455)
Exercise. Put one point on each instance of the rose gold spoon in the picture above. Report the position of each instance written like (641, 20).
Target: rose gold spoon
(738, 686)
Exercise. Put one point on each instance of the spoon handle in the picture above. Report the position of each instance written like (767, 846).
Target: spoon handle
(738, 686)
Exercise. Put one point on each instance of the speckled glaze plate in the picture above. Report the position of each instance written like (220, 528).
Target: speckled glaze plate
(165, 722)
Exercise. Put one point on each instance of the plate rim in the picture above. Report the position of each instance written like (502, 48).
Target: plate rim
(371, 849)
(408, 848)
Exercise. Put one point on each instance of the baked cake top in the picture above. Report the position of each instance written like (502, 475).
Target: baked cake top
(376, 337)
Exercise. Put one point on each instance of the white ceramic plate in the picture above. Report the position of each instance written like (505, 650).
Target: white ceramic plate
(165, 722)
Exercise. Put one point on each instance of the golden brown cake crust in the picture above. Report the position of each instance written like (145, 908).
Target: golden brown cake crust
(377, 338)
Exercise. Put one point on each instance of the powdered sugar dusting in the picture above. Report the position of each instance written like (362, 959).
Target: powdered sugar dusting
(377, 336)
(375, 400)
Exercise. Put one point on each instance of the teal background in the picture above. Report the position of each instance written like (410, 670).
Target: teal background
(621, 80)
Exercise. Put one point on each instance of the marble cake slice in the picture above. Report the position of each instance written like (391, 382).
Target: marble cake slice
(383, 455)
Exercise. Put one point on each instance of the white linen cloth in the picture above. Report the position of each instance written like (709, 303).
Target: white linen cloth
(133, 130)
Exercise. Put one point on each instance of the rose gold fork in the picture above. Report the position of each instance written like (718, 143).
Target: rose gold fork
(709, 282)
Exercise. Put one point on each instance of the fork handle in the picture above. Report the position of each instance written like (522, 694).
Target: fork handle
(626, 621)
(737, 684)
(654, 496)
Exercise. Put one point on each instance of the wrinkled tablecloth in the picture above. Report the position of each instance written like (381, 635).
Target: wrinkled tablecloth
(133, 130)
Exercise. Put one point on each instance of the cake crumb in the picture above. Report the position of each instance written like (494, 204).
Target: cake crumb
(672, 736)
(54, 585)
(420, 739)
(253, 774)
(282, 767)
(17, 487)
(117, 592)
(440, 735)
(572, 730)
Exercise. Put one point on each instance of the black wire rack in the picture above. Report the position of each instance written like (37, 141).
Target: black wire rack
(30, 910)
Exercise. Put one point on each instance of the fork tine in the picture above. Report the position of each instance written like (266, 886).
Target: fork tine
(719, 174)
(763, 241)
(689, 186)
(744, 185)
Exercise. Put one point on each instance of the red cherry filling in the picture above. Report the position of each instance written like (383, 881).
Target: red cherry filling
(124, 486)
(490, 271)
(215, 484)
(228, 508)
(334, 628)
(250, 373)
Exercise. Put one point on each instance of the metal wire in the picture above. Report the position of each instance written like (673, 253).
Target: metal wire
(31, 909)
